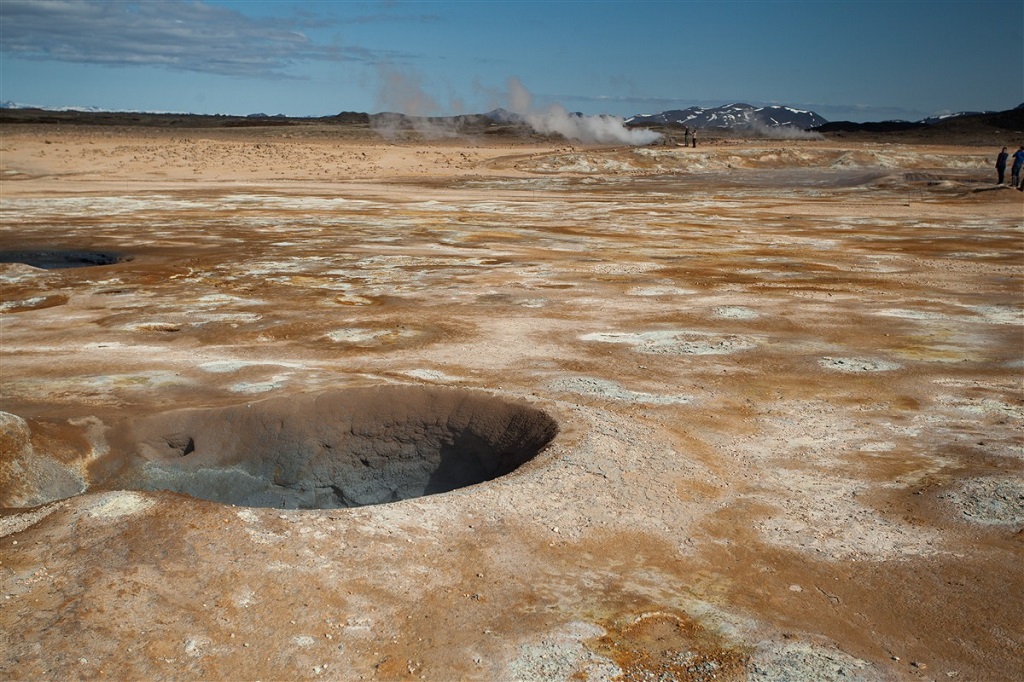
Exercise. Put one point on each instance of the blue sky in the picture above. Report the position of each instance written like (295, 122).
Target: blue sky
(855, 59)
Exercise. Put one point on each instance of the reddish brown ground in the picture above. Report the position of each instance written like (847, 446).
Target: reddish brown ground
(788, 377)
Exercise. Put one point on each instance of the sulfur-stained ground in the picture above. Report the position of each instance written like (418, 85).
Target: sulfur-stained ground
(787, 375)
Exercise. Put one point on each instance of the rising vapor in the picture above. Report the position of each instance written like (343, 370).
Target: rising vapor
(602, 129)
(405, 105)
(783, 132)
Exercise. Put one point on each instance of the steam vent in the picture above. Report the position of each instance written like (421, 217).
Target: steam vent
(336, 449)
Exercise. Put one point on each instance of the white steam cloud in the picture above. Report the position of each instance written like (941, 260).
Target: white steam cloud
(784, 132)
(402, 91)
(406, 105)
(601, 129)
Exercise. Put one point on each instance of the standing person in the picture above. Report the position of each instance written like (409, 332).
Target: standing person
(1001, 165)
(694, 138)
(1018, 161)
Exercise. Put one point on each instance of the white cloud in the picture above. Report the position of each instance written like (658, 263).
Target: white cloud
(178, 35)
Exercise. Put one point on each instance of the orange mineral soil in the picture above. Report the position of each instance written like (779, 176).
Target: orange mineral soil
(786, 378)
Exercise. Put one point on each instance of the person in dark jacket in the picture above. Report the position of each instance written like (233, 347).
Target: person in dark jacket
(1001, 165)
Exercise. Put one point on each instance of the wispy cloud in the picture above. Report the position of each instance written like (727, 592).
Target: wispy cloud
(391, 18)
(173, 34)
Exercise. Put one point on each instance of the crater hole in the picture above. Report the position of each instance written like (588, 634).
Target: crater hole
(56, 259)
(336, 449)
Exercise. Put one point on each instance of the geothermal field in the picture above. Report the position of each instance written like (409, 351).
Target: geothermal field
(309, 402)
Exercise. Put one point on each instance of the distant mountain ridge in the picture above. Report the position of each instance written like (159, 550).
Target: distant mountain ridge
(1009, 120)
(8, 104)
(736, 116)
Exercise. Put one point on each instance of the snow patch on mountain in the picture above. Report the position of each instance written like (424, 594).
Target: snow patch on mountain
(736, 116)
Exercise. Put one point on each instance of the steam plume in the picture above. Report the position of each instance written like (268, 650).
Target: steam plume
(402, 91)
(783, 132)
(602, 129)
(406, 105)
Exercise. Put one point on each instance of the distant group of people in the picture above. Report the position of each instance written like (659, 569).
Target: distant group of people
(1018, 163)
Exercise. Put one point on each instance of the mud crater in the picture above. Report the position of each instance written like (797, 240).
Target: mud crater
(57, 259)
(335, 449)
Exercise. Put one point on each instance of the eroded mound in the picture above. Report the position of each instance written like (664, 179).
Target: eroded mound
(55, 259)
(337, 449)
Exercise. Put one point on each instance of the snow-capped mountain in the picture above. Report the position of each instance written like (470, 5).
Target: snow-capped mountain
(8, 104)
(932, 120)
(735, 116)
